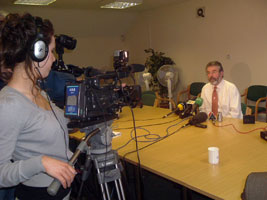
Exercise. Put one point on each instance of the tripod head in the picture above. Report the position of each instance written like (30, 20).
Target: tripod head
(100, 143)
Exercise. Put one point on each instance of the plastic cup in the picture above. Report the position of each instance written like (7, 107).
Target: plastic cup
(213, 155)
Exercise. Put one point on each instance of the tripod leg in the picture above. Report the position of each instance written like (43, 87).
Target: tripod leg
(120, 184)
(107, 190)
(122, 191)
(103, 192)
(118, 190)
(111, 173)
(85, 174)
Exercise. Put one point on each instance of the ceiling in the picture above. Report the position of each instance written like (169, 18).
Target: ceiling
(95, 4)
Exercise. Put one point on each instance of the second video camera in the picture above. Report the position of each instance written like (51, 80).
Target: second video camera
(99, 97)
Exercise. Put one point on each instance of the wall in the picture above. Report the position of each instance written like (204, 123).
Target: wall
(98, 33)
(233, 32)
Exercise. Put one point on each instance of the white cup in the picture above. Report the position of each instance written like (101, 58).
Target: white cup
(213, 155)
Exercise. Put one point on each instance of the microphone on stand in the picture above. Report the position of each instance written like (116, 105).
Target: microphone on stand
(197, 120)
(180, 107)
(187, 110)
(197, 104)
(192, 106)
(212, 117)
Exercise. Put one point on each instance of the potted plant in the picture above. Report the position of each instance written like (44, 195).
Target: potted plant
(152, 64)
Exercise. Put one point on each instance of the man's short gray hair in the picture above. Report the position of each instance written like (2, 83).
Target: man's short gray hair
(215, 63)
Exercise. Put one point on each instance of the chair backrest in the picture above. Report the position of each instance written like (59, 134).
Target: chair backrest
(255, 187)
(196, 87)
(256, 91)
(148, 98)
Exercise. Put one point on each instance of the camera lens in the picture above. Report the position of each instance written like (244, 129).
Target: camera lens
(66, 42)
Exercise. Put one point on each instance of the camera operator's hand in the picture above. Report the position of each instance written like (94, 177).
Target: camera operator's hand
(59, 170)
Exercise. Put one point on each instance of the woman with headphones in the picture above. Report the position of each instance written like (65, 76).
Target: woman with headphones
(33, 134)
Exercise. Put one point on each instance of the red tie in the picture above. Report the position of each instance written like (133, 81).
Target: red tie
(215, 101)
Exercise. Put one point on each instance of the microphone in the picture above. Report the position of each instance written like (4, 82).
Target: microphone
(123, 72)
(135, 68)
(212, 117)
(76, 71)
(187, 111)
(180, 107)
(197, 119)
(197, 104)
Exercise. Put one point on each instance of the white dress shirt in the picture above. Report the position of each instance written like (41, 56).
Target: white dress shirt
(229, 99)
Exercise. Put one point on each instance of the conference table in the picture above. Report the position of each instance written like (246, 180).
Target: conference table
(181, 153)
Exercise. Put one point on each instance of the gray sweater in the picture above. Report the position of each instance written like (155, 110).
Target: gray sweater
(28, 132)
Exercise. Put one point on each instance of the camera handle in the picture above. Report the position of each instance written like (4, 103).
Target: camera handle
(83, 146)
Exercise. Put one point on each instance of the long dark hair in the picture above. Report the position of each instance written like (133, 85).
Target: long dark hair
(17, 33)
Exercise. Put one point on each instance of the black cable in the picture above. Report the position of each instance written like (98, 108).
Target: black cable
(157, 124)
(106, 135)
(150, 119)
(49, 102)
(159, 139)
(137, 150)
(132, 138)
(146, 136)
(139, 169)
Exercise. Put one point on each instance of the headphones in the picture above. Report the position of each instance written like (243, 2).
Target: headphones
(38, 48)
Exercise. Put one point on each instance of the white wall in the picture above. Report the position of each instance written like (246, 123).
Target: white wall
(233, 32)
(98, 33)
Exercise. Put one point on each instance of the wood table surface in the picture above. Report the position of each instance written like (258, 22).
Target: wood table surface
(182, 157)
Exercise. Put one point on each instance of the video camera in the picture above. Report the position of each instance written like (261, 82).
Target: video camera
(64, 41)
(100, 96)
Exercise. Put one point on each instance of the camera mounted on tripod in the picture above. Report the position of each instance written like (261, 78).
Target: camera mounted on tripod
(62, 42)
(91, 105)
(100, 96)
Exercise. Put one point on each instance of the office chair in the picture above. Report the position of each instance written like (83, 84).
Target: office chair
(256, 94)
(163, 102)
(256, 186)
(148, 98)
(151, 98)
(194, 89)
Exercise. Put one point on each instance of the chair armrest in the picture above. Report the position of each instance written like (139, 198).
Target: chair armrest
(156, 103)
(159, 98)
(260, 100)
(257, 105)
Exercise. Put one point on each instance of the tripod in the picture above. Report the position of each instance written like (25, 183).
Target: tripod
(108, 171)
(105, 160)
(97, 146)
